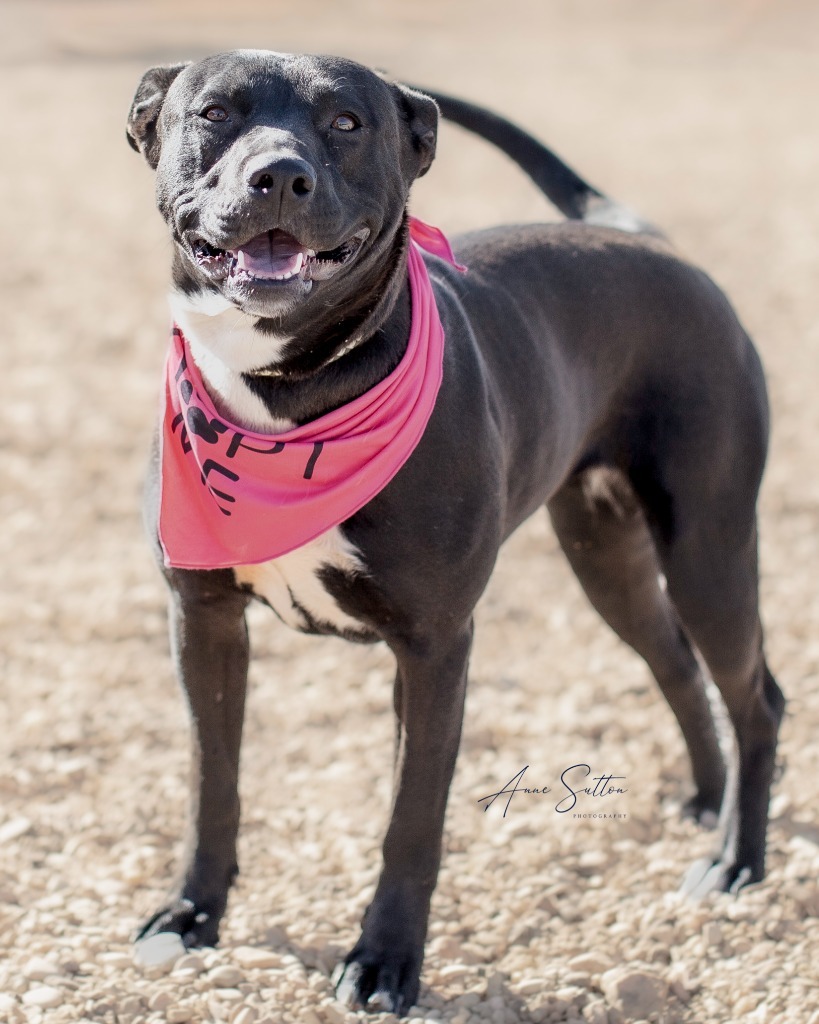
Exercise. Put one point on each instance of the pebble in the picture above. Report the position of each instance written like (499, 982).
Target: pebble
(571, 995)
(447, 947)
(117, 960)
(159, 950)
(179, 1014)
(253, 957)
(333, 1014)
(247, 1015)
(191, 962)
(593, 963)
(307, 1016)
(130, 1005)
(14, 829)
(746, 1004)
(228, 995)
(38, 968)
(453, 972)
(46, 997)
(712, 933)
(533, 986)
(225, 976)
(637, 993)
(160, 1001)
(596, 1013)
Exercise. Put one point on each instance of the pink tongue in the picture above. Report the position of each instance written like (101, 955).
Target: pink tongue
(271, 254)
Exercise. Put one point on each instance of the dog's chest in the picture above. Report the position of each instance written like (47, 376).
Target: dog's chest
(293, 587)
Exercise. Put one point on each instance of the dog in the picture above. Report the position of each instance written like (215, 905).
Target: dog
(582, 366)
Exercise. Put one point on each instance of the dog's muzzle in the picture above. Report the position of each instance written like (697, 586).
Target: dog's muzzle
(274, 257)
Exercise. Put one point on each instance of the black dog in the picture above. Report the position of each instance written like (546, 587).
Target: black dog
(586, 368)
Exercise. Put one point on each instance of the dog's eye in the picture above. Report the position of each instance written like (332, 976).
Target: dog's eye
(215, 113)
(345, 123)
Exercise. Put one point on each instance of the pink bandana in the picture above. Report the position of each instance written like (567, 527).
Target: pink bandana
(232, 497)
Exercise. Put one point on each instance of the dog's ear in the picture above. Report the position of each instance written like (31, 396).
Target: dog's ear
(144, 112)
(420, 113)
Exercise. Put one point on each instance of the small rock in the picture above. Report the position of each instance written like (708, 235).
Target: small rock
(447, 947)
(533, 987)
(333, 1014)
(39, 968)
(494, 984)
(453, 972)
(217, 1010)
(578, 979)
(682, 985)
(637, 993)
(116, 959)
(14, 829)
(251, 957)
(159, 950)
(130, 1005)
(225, 976)
(596, 1013)
(591, 862)
(712, 933)
(246, 1015)
(592, 963)
(179, 1014)
(745, 1004)
(571, 995)
(228, 995)
(46, 997)
(191, 962)
(160, 1001)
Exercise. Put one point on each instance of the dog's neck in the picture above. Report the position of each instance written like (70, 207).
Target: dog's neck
(267, 381)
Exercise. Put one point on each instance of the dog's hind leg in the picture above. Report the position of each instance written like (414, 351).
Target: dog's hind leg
(712, 579)
(382, 971)
(603, 532)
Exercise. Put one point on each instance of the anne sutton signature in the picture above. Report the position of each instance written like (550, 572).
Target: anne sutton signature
(572, 788)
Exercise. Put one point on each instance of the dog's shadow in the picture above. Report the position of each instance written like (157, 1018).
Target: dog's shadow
(324, 960)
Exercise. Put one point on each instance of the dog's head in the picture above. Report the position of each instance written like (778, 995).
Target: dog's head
(283, 179)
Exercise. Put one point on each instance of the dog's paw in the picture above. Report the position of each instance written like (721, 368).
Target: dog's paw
(383, 981)
(710, 874)
(704, 809)
(191, 925)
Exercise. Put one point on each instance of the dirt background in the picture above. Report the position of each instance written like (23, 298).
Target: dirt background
(701, 115)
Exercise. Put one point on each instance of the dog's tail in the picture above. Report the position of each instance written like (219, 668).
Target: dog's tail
(574, 197)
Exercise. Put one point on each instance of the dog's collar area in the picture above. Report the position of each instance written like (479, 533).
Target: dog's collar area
(423, 235)
(279, 374)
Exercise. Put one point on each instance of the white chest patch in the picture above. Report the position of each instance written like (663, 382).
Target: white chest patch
(225, 343)
(292, 587)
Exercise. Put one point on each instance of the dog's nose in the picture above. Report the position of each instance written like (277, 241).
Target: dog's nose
(289, 176)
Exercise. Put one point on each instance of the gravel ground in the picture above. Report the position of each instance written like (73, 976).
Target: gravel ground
(700, 115)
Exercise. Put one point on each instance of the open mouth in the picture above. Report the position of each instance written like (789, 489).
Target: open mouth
(275, 257)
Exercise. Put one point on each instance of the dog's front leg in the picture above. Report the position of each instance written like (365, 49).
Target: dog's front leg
(382, 971)
(209, 638)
